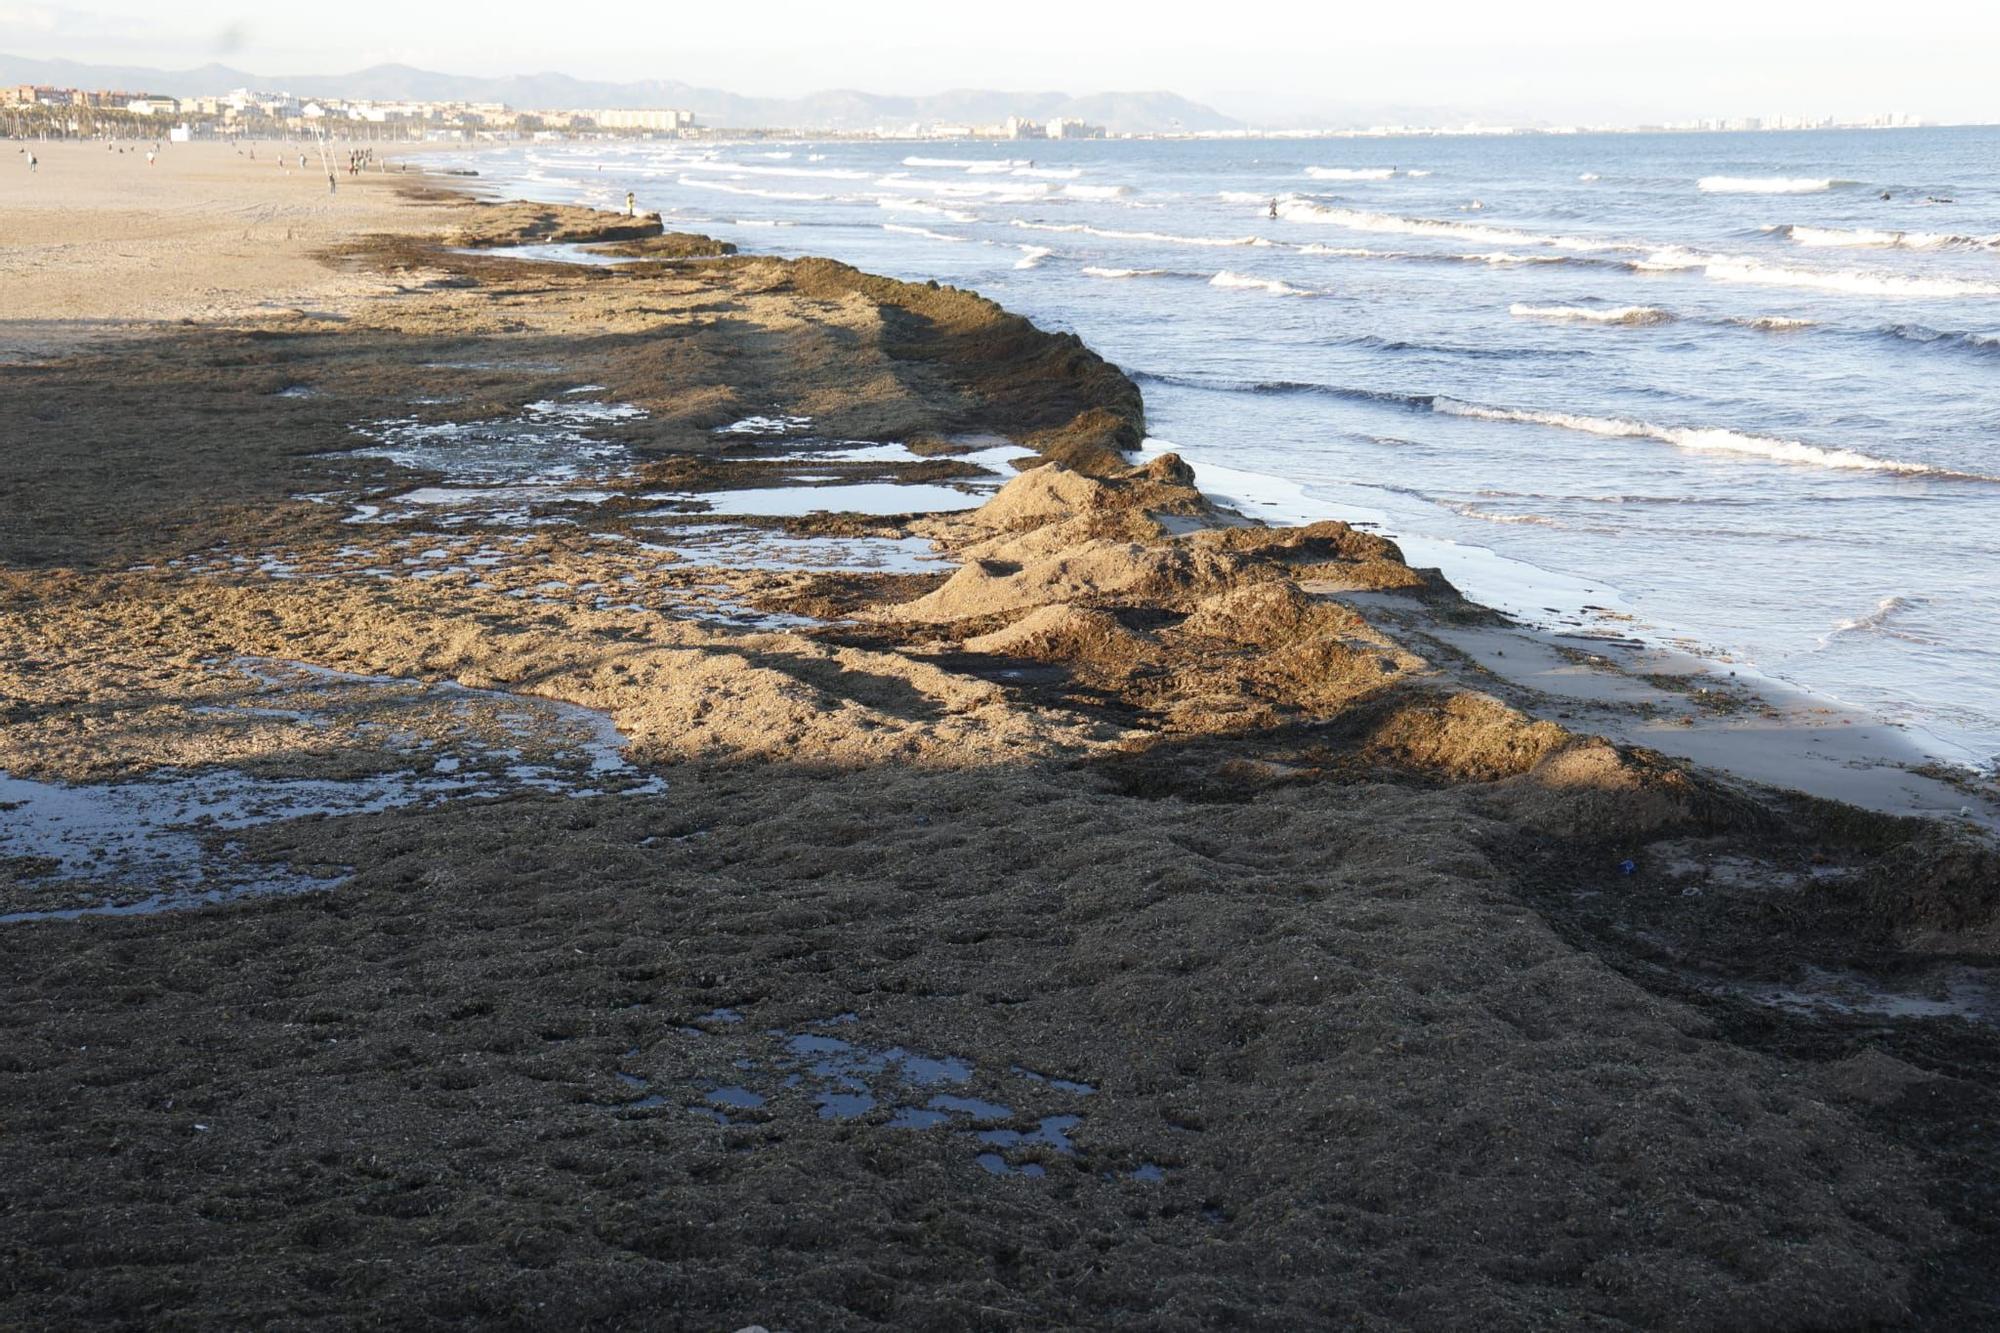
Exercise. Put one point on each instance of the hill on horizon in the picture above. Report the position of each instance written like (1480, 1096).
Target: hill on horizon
(833, 109)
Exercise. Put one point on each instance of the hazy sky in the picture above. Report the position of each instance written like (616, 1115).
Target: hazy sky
(1549, 58)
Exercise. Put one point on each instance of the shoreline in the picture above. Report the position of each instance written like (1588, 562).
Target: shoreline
(715, 791)
(1867, 738)
(1756, 726)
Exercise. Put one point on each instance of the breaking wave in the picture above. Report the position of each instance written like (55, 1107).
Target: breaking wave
(1711, 440)
(919, 206)
(1774, 323)
(1271, 285)
(1767, 184)
(925, 232)
(1881, 620)
(1094, 271)
(1466, 509)
(1726, 268)
(1032, 256)
(748, 169)
(1495, 257)
(1353, 219)
(694, 183)
(1988, 343)
(1627, 314)
(1110, 233)
(965, 162)
(1350, 173)
(1873, 239)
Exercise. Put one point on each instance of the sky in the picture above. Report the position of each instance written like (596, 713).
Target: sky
(1549, 60)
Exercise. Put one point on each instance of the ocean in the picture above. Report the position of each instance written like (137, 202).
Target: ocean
(1735, 392)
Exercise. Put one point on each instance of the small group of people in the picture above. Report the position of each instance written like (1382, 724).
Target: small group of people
(358, 159)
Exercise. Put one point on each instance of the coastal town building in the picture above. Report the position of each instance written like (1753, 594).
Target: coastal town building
(1071, 127)
(644, 119)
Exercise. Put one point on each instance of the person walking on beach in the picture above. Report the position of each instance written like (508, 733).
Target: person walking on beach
(33, 161)
(151, 154)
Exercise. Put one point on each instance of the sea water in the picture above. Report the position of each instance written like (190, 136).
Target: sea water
(1745, 387)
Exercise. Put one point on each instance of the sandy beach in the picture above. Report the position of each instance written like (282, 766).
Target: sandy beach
(555, 775)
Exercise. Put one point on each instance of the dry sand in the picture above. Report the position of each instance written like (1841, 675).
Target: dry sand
(97, 241)
(1080, 908)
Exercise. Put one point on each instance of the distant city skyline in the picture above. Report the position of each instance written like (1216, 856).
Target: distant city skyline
(1550, 61)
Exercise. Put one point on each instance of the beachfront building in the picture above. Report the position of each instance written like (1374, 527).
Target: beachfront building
(656, 119)
(154, 106)
(35, 94)
(1071, 127)
(1016, 127)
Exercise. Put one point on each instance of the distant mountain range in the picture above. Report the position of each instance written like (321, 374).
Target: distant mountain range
(1136, 113)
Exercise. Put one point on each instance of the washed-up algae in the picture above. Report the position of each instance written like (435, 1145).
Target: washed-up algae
(1354, 994)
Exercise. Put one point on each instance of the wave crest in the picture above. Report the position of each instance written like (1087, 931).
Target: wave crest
(1112, 233)
(1226, 278)
(1701, 440)
(1728, 268)
(1767, 184)
(1627, 314)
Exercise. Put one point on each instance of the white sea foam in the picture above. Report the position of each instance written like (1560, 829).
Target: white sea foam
(1002, 191)
(1469, 510)
(1571, 314)
(1590, 176)
(1096, 191)
(925, 232)
(1728, 268)
(1032, 256)
(1113, 234)
(1775, 323)
(1245, 280)
(1243, 197)
(1764, 185)
(749, 169)
(1495, 257)
(919, 206)
(693, 183)
(965, 162)
(1350, 173)
(1353, 219)
(1094, 271)
(1049, 173)
(1693, 439)
(1879, 621)
(1872, 238)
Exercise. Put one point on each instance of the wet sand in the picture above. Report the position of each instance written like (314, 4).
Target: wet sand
(1001, 889)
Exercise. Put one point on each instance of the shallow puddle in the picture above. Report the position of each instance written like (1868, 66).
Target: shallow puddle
(769, 549)
(844, 1079)
(151, 844)
(548, 444)
(876, 498)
